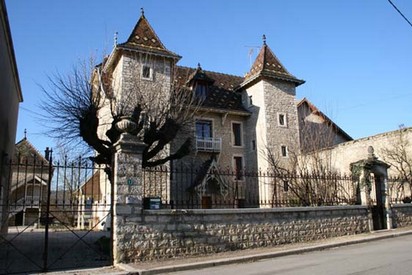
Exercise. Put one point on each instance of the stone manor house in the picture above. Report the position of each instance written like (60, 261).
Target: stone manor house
(242, 119)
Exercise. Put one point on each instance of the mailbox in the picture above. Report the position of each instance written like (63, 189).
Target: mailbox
(152, 203)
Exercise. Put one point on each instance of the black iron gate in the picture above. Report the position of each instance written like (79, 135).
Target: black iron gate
(56, 215)
(378, 205)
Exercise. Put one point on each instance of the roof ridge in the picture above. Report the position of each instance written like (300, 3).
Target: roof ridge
(186, 67)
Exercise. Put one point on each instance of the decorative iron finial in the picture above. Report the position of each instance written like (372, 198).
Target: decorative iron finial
(142, 11)
(115, 38)
(264, 39)
(25, 133)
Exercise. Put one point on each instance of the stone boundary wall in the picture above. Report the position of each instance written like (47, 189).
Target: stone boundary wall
(402, 215)
(161, 234)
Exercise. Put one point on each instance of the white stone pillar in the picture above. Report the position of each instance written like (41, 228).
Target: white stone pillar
(386, 199)
(127, 192)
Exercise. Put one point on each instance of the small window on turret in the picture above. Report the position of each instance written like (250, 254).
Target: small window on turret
(284, 151)
(147, 72)
(282, 120)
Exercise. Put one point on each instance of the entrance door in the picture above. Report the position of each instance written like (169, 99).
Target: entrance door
(378, 207)
(206, 202)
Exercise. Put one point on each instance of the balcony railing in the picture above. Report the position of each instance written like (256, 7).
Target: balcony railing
(208, 144)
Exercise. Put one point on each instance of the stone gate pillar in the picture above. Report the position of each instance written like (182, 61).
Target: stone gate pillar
(380, 213)
(127, 193)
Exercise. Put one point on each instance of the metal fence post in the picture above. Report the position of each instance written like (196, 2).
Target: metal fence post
(49, 158)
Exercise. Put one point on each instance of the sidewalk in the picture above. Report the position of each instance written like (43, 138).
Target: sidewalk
(241, 256)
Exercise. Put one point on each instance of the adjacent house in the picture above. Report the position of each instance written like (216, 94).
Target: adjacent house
(10, 97)
(29, 180)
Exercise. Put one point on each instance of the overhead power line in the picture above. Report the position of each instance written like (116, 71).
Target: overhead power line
(404, 17)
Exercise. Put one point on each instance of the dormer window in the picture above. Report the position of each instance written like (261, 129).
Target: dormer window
(147, 72)
(201, 91)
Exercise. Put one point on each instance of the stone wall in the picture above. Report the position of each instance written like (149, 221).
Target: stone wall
(402, 215)
(160, 234)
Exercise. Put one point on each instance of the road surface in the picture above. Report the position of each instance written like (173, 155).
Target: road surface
(389, 256)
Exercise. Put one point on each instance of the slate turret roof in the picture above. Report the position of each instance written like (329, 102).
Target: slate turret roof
(268, 65)
(144, 38)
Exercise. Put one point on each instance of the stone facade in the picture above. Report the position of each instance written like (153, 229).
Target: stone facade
(167, 234)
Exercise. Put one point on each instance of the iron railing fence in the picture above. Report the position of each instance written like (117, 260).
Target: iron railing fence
(77, 188)
(224, 188)
(54, 212)
(188, 188)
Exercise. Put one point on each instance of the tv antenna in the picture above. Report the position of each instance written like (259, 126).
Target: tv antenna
(251, 52)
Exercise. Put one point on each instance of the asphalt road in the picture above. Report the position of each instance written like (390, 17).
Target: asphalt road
(390, 256)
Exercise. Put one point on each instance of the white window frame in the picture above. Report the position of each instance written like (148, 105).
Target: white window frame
(285, 120)
(150, 72)
(233, 134)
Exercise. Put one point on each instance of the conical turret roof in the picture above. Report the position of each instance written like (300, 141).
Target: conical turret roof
(268, 65)
(144, 38)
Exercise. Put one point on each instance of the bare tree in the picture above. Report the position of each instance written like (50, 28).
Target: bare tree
(399, 155)
(75, 102)
(310, 177)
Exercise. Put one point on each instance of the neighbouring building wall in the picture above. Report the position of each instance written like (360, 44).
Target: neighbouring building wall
(346, 153)
(10, 97)
(166, 234)
(316, 130)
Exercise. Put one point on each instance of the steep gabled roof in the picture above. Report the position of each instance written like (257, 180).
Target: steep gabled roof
(222, 93)
(268, 65)
(25, 151)
(316, 111)
(209, 171)
(144, 38)
(199, 75)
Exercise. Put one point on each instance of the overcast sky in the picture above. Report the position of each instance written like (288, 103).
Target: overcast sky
(355, 55)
